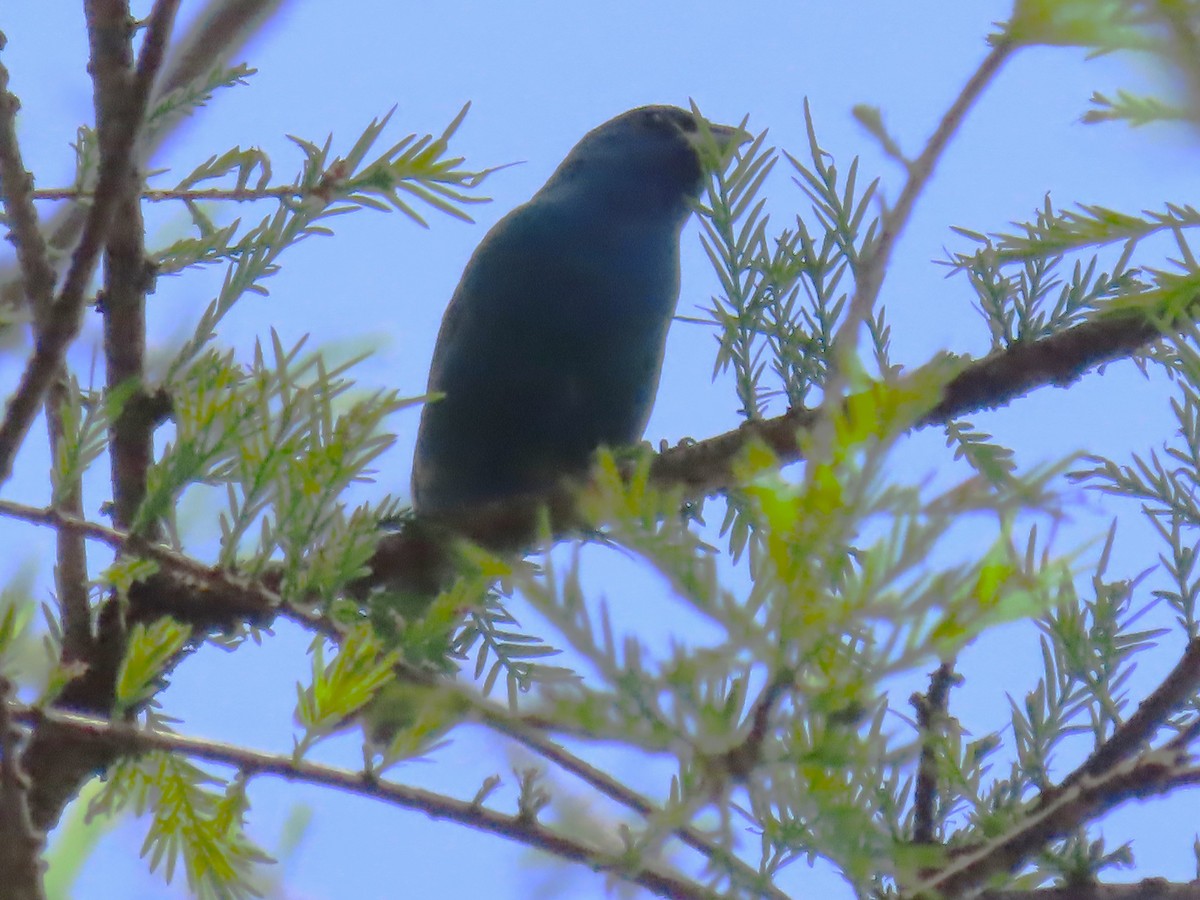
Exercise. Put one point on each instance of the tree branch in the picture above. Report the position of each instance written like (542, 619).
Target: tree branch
(54, 760)
(416, 557)
(219, 31)
(71, 567)
(1061, 811)
(106, 20)
(128, 276)
(868, 278)
(737, 870)
(20, 843)
(38, 277)
(205, 597)
(1146, 889)
(417, 554)
(281, 193)
(1177, 689)
(16, 190)
(931, 710)
(122, 739)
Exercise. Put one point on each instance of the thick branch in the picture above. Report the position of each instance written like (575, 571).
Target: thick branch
(128, 278)
(417, 555)
(931, 708)
(416, 558)
(20, 843)
(1147, 889)
(55, 760)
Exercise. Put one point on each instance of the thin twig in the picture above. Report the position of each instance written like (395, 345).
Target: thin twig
(38, 276)
(1153, 773)
(55, 761)
(123, 739)
(868, 279)
(188, 195)
(516, 729)
(16, 190)
(920, 170)
(1184, 44)
(1177, 689)
(70, 556)
(217, 31)
(220, 29)
(739, 762)
(116, 149)
(236, 598)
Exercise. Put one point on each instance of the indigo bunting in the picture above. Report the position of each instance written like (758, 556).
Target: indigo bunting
(553, 342)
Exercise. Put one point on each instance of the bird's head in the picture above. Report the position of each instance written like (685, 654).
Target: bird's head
(651, 159)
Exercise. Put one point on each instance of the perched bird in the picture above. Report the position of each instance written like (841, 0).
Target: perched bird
(553, 342)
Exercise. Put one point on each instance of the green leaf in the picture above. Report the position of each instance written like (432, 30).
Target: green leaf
(149, 651)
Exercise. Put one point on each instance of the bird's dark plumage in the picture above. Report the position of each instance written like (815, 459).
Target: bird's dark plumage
(552, 344)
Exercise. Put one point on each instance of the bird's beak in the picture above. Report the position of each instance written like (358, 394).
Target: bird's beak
(716, 144)
(728, 136)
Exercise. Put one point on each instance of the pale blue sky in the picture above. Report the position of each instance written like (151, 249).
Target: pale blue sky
(539, 75)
